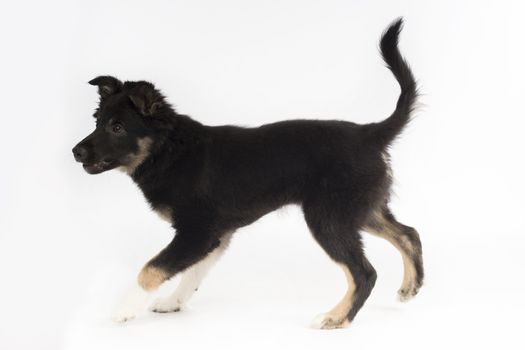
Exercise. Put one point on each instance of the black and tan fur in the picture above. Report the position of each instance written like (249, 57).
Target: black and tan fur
(208, 181)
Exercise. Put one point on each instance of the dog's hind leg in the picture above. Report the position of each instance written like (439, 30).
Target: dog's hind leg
(191, 280)
(337, 232)
(406, 239)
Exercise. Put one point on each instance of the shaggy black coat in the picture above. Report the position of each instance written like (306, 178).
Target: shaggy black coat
(212, 180)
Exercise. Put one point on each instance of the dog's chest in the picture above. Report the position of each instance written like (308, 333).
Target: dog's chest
(165, 213)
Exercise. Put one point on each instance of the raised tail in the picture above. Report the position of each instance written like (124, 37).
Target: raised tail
(383, 133)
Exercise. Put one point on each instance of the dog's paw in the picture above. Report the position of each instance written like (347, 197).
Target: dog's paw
(406, 293)
(124, 312)
(328, 321)
(133, 302)
(165, 305)
(121, 317)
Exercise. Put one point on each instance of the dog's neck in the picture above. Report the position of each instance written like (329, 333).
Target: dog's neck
(136, 159)
(160, 155)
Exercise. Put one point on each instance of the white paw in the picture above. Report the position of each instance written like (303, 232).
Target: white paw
(130, 304)
(328, 321)
(163, 305)
(123, 316)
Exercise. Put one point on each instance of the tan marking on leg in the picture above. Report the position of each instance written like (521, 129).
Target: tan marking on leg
(150, 277)
(409, 276)
(191, 280)
(337, 317)
(402, 244)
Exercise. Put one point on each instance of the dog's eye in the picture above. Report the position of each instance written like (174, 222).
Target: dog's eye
(116, 128)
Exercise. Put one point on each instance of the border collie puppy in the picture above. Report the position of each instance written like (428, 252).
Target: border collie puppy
(208, 181)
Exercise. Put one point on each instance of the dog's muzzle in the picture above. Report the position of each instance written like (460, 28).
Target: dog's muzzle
(81, 155)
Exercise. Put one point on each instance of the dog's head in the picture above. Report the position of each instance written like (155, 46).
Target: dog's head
(124, 126)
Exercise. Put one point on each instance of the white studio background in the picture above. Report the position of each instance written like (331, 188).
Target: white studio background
(70, 242)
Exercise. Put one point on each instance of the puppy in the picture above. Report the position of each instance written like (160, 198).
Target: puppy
(208, 181)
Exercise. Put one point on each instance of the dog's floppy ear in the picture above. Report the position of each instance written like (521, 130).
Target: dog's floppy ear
(107, 85)
(146, 98)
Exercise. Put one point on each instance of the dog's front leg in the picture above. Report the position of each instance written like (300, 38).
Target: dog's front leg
(191, 280)
(184, 250)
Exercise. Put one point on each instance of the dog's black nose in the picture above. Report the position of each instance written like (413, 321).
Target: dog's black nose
(80, 153)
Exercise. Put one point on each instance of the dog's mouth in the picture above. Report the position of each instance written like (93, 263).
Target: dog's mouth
(99, 167)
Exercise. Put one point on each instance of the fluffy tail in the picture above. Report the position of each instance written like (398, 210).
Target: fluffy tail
(383, 133)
